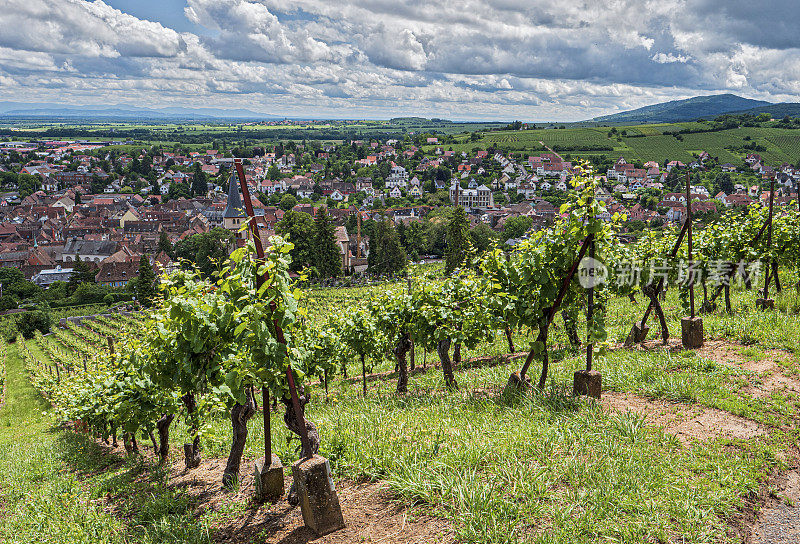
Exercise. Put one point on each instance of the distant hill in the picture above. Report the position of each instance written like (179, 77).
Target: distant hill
(685, 110)
(16, 110)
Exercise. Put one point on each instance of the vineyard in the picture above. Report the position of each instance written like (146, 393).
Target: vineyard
(645, 142)
(455, 393)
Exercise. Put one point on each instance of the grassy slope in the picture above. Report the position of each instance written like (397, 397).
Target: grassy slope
(549, 468)
(543, 468)
(51, 480)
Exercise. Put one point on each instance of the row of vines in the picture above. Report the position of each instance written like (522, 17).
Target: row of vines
(210, 345)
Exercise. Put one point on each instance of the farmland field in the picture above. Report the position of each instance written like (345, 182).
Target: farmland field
(639, 142)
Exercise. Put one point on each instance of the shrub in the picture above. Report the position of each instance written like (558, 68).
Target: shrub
(29, 322)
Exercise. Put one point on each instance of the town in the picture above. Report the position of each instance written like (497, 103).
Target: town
(90, 208)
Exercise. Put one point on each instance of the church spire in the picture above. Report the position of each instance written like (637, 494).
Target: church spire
(234, 207)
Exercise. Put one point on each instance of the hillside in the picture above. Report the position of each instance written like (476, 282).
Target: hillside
(684, 110)
(644, 142)
(777, 111)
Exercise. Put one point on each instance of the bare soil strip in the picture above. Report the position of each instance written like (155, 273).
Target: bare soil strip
(372, 513)
(686, 421)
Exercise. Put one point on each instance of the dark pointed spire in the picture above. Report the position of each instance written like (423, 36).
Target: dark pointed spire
(234, 207)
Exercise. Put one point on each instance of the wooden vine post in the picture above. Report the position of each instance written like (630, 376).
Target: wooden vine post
(692, 326)
(589, 382)
(731, 274)
(766, 303)
(312, 475)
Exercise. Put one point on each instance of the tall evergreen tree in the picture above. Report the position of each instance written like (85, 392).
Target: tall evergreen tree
(458, 242)
(298, 227)
(386, 255)
(164, 244)
(145, 282)
(325, 251)
(199, 181)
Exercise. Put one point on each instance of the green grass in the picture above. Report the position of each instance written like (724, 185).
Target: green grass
(53, 483)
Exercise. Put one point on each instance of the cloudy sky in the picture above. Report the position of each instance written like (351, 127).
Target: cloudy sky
(460, 59)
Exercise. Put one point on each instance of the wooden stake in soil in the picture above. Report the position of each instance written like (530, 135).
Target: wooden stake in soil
(588, 382)
(692, 326)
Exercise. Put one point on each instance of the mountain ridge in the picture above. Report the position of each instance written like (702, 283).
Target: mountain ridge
(689, 109)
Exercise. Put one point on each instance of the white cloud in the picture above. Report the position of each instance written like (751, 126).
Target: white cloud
(465, 58)
(666, 58)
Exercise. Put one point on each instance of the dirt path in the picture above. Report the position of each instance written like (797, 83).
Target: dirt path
(370, 510)
(779, 521)
(769, 375)
(686, 421)
(547, 147)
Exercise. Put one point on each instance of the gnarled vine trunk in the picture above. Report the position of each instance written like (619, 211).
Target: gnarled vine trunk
(162, 425)
(545, 358)
(129, 441)
(403, 346)
(364, 374)
(443, 349)
(153, 440)
(728, 307)
(541, 338)
(240, 415)
(775, 277)
(650, 292)
(571, 328)
(510, 339)
(191, 452)
(290, 419)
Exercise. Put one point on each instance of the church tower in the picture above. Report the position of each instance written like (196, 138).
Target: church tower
(234, 214)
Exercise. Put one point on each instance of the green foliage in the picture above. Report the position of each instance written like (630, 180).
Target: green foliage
(199, 181)
(164, 244)
(386, 255)
(30, 322)
(516, 226)
(259, 308)
(22, 289)
(458, 240)
(206, 251)
(89, 293)
(81, 273)
(298, 228)
(287, 202)
(145, 282)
